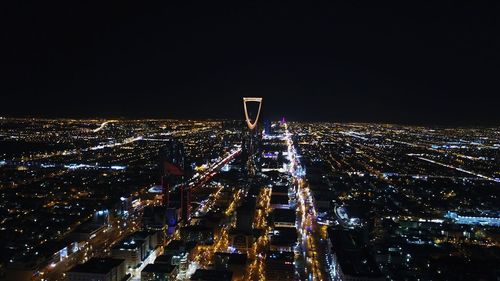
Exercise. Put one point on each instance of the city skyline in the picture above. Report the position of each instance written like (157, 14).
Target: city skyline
(205, 199)
(205, 141)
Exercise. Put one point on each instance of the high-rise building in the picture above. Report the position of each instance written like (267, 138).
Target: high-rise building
(172, 166)
(173, 174)
(252, 137)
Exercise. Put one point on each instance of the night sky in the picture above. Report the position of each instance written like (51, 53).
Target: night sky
(401, 62)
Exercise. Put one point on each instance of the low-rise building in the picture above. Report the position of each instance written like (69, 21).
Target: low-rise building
(212, 275)
(234, 262)
(283, 218)
(159, 272)
(102, 269)
(135, 248)
(279, 266)
(283, 239)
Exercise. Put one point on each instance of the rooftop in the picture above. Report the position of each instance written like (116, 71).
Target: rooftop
(97, 265)
(159, 268)
(212, 275)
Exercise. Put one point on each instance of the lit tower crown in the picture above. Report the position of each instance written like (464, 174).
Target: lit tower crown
(251, 125)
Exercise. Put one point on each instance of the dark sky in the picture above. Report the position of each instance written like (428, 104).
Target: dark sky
(425, 62)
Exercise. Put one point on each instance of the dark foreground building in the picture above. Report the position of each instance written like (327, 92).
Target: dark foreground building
(103, 269)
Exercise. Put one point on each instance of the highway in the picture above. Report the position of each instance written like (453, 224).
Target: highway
(199, 181)
(311, 248)
(103, 124)
(457, 168)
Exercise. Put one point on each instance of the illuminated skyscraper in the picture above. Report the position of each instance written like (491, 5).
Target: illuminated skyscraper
(173, 172)
(252, 137)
